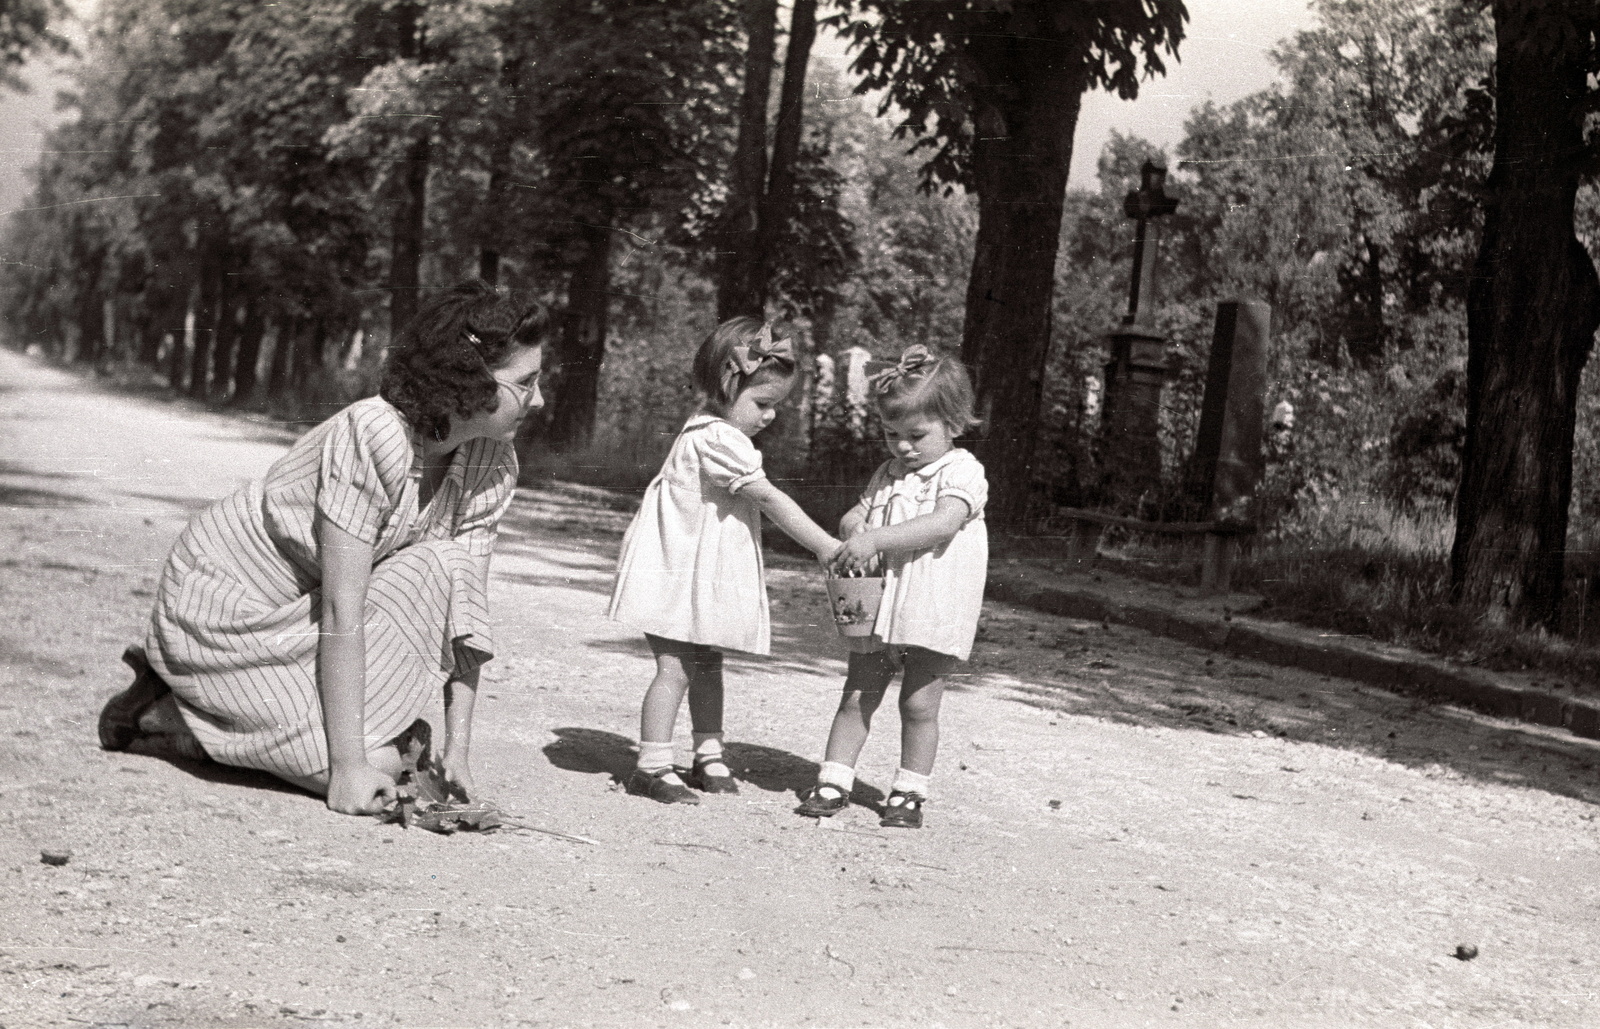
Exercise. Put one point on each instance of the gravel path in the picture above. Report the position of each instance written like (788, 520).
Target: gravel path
(1123, 831)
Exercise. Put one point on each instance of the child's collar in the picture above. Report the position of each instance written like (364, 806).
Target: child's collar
(931, 467)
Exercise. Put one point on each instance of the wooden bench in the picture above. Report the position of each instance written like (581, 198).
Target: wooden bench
(1221, 545)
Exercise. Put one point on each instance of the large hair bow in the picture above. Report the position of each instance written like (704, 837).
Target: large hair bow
(913, 360)
(744, 360)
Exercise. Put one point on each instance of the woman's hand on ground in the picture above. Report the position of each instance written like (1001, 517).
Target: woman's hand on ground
(360, 789)
(458, 773)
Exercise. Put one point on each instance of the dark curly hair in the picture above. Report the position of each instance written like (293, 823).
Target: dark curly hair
(438, 366)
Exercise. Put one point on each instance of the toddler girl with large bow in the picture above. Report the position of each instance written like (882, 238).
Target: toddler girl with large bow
(690, 574)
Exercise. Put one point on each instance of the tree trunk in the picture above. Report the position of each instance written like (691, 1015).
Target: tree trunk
(494, 221)
(494, 199)
(205, 325)
(736, 293)
(163, 315)
(310, 362)
(89, 315)
(279, 384)
(1025, 110)
(1533, 306)
(410, 219)
(227, 335)
(249, 351)
(583, 341)
(777, 205)
(178, 357)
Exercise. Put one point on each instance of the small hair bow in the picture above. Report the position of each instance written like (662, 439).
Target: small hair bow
(744, 360)
(913, 360)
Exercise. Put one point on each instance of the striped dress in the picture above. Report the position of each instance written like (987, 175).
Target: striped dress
(234, 631)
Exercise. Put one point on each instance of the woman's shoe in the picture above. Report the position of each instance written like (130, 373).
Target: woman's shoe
(902, 810)
(699, 778)
(168, 746)
(823, 800)
(655, 786)
(119, 719)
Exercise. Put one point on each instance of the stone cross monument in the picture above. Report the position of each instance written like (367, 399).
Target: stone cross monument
(1130, 416)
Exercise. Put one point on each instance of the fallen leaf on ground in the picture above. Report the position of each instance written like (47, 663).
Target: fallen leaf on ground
(430, 799)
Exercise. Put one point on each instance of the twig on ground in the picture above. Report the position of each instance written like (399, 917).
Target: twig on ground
(828, 950)
(548, 832)
(698, 846)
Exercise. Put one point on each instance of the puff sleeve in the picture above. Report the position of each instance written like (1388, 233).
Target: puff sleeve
(488, 487)
(352, 490)
(727, 457)
(966, 481)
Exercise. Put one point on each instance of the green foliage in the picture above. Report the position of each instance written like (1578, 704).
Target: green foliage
(1345, 199)
(816, 249)
(28, 27)
(921, 57)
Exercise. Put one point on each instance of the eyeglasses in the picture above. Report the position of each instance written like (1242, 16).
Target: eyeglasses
(523, 395)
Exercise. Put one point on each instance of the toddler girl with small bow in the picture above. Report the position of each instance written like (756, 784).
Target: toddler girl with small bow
(921, 516)
(691, 574)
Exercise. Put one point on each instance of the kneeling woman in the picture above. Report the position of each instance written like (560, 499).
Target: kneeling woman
(304, 623)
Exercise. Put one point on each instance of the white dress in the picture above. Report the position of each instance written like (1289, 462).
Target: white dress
(932, 597)
(691, 566)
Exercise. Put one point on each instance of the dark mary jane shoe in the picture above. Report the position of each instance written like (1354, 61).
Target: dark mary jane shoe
(711, 783)
(817, 804)
(655, 786)
(906, 814)
(119, 719)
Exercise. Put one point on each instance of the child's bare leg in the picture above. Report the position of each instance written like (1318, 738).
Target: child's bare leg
(653, 776)
(659, 715)
(921, 692)
(864, 686)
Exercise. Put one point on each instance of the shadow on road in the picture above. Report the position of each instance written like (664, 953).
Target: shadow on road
(1126, 676)
(596, 751)
(19, 495)
(228, 775)
(22, 496)
(1036, 659)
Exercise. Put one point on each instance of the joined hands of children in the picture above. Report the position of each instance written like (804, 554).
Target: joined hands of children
(855, 556)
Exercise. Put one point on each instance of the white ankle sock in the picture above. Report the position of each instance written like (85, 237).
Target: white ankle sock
(907, 781)
(838, 775)
(708, 753)
(654, 756)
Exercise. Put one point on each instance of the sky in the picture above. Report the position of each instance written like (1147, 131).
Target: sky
(1224, 57)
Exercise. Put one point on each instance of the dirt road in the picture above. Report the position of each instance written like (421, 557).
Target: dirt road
(1123, 831)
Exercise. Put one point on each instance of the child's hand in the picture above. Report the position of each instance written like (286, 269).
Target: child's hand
(825, 557)
(854, 556)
